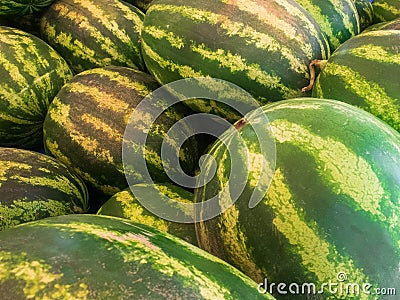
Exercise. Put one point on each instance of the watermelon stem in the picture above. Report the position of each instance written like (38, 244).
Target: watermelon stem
(239, 124)
(314, 63)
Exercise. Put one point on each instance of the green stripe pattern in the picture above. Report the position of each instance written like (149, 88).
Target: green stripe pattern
(125, 205)
(35, 186)
(385, 25)
(31, 74)
(365, 13)
(361, 73)
(85, 125)
(335, 186)
(51, 259)
(91, 34)
(23, 7)
(262, 47)
(338, 19)
(385, 10)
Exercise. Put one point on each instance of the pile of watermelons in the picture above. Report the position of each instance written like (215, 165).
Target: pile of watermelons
(305, 179)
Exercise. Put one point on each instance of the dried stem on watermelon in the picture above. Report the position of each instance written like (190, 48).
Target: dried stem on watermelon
(239, 124)
(314, 63)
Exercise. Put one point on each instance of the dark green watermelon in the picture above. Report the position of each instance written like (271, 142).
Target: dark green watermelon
(35, 186)
(99, 257)
(94, 33)
(331, 211)
(362, 72)
(31, 75)
(22, 7)
(124, 204)
(85, 125)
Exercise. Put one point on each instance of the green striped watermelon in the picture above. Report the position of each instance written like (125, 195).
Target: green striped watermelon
(22, 7)
(31, 74)
(385, 10)
(86, 121)
(99, 257)
(386, 25)
(263, 47)
(365, 13)
(94, 33)
(338, 19)
(332, 208)
(29, 23)
(35, 186)
(362, 72)
(125, 205)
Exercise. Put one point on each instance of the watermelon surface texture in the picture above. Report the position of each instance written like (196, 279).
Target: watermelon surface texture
(23, 7)
(124, 204)
(29, 23)
(385, 10)
(31, 75)
(264, 47)
(91, 34)
(363, 72)
(339, 20)
(386, 25)
(98, 257)
(331, 209)
(85, 126)
(365, 13)
(35, 186)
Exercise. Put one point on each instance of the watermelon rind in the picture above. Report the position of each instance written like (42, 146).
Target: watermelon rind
(85, 125)
(102, 257)
(11, 8)
(335, 186)
(36, 186)
(90, 34)
(263, 47)
(124, 204)
(362, 73)
(385, 10)
(31, 73)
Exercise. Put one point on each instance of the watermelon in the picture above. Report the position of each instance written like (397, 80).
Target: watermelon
(85, 126)
(385, 10)
(330, 214)
(101, 257)
(29, 23)
(365, 13)
(263, 47)
(23, 7)
(35, 186)
(143, 5)
(31, 75)
(94, 33)
(124, 204)
(386, 25)
(362, 72)
(338, 19)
